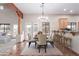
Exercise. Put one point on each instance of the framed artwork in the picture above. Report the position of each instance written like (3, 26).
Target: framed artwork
(63, 22)
(4, 27)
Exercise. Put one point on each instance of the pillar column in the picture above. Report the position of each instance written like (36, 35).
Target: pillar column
(19, 28)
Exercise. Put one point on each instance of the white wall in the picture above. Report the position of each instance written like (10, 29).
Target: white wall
(8, 16)
(53, 19)
(75, 44)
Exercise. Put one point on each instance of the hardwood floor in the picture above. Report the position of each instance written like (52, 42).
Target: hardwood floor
(18, 48)
(66, 51)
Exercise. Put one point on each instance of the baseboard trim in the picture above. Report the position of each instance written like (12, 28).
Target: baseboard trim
(73, 51)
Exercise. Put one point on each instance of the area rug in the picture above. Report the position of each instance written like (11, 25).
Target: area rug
(32, 51)
(6, 48)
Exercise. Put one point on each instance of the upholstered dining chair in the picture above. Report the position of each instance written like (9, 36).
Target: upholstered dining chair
(41, 43)
(67, 39)
(51, 39)
(30, 40)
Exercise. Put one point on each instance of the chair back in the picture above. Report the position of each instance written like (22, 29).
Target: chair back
(68, 35)
(51, 37)
(41, 39)
(29, 37)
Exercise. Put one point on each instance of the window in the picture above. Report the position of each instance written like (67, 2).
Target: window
(72, 25)
(4, 27)
(63, 22)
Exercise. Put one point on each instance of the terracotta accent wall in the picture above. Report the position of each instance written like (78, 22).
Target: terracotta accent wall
(19, 23)
(18, 13)
(14, 8)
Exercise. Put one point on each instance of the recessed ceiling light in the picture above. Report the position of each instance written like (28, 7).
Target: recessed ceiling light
(70, 10)
(65, 9)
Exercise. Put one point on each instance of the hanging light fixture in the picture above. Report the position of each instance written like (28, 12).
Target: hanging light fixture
(42, 17)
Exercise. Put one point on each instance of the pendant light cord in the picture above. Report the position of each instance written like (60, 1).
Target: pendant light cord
(42, 9)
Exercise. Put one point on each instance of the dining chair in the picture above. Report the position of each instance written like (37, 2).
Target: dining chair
(30, 40)
(67, 39)
(51, 39)
(41, 43)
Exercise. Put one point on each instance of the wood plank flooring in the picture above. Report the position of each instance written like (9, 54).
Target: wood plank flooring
(18, 48)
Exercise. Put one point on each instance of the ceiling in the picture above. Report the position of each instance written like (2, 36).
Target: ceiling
(49, 8)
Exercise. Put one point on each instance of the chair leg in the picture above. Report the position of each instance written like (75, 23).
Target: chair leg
(45, 48)
(29, 44)
(39, 48)
(35, 44)
(52, 43)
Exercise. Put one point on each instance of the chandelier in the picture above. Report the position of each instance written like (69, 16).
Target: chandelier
(42, 17)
